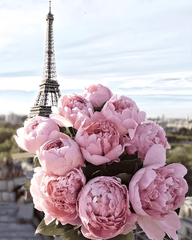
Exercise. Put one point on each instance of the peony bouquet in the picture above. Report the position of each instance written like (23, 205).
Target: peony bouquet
(100, 168)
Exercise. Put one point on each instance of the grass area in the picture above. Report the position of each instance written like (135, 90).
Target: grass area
(187, 147)
(180, 153)
(173, 137)
(174, 145)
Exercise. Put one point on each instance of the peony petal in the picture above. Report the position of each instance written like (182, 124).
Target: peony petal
(131, 125)
(114, 153)
(130, 225)
(60, 120)
(56, 135)
(134, 192)
(148, 176)
(86, 233)
(136, 203)
(150, 227)
(179, 169)
(156, 154)
(20, 138)
(94, 149)
(48, 218)
(170, 224)
(94, 159)
(135, 179)
(75, 222)
(142, 116)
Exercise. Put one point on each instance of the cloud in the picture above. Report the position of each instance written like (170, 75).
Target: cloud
(124, 37)
(18, 74)
(176, 83)
(20, 83)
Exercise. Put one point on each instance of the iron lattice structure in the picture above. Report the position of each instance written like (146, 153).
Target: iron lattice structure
(49, 92)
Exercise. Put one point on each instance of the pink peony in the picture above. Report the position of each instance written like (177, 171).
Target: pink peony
(73, 109)
(123, 112)
(155, 192)
(97, 94)
(103, 206)
(36, 132)
(147, 134)
(60, 155)
(99, 140)
(56, 195)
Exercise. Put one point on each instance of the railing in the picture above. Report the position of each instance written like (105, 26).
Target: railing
(139, 234)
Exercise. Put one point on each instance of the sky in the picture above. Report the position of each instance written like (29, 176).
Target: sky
(138, 48)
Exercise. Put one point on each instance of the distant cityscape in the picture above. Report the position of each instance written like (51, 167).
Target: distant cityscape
(12, 118)
(172, 125)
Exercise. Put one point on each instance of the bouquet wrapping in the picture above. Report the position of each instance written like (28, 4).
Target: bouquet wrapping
(100, 168)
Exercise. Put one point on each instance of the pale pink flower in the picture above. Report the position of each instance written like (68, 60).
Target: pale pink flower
(60, 155)
(155, 192)
(124, 113)
(103, 206)
(56, 195)
(36, 132)
(99, 140)
(97, 94)
(147, 135)
(73, 109)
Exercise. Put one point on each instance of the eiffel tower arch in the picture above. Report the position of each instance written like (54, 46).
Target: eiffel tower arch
(49, 92)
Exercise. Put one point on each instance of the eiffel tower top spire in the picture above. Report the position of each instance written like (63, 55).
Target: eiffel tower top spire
(49, 6)
(49, 72)
(49, 92)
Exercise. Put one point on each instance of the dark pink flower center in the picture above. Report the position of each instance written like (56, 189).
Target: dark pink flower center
(106, 132)
(76, 101)
(64, 191)
(107, 207)
(92, 89)
(33, 126)
(54, 144)
(120, 105)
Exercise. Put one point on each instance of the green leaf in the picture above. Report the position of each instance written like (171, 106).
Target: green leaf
(70, 131)
(73, 234)
(124, 169)
(52, 229)
(61, 129)
(27, 185)
(69, 232)
(125, 178)
(90, 170)
(73, 131)
(76, 234)
(128, 236)
(36, 162)
(126, 156)
(125, 166)
(98, 109)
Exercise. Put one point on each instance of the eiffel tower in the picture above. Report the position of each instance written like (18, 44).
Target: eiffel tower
(49, 92)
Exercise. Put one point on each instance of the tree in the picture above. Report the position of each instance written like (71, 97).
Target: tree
(178, 155)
